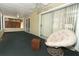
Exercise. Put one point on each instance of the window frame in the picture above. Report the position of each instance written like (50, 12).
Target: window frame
(51, 10)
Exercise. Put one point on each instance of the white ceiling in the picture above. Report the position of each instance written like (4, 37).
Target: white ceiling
(14, 9)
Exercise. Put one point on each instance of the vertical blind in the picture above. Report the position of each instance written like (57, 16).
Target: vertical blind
(71, 16)
(64, 18)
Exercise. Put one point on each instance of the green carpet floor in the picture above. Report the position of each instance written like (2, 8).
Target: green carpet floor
(19, 44)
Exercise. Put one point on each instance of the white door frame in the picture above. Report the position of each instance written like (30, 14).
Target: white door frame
(1, 22)
(26, 26)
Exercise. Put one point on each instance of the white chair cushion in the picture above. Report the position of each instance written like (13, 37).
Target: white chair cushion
(62, 38)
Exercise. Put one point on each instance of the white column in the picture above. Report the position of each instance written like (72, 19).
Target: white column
(77, 34)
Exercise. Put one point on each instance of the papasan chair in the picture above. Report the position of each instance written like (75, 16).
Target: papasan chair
(63, 38)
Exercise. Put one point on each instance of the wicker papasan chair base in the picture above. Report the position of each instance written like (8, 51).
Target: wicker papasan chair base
(55, 51)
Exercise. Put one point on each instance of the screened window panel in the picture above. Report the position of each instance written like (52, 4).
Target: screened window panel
(46, 24)
(58, 20)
